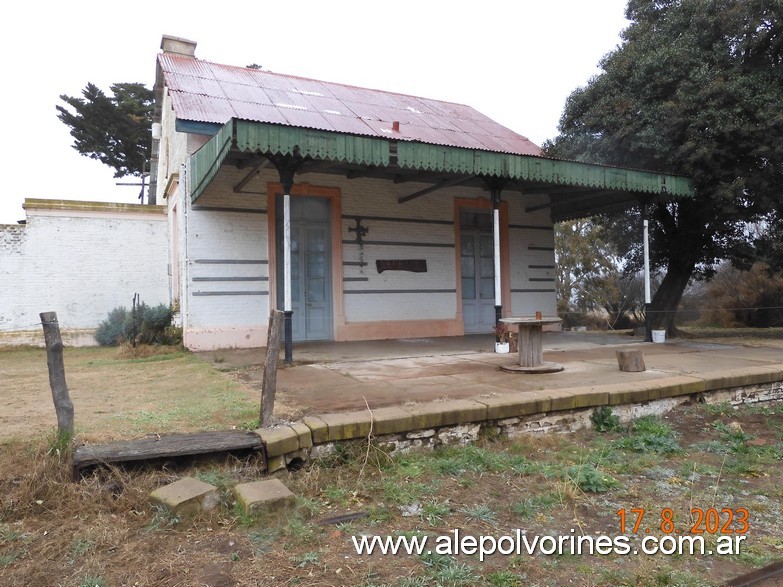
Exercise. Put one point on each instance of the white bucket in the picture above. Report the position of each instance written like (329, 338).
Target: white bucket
(501, 347)
(659, 336)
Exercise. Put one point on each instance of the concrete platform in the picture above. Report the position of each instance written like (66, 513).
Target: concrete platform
(341, 376)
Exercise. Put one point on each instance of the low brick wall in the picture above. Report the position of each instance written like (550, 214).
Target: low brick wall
(400, 429)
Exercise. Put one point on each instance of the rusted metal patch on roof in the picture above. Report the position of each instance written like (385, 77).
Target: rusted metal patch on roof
(209, 92)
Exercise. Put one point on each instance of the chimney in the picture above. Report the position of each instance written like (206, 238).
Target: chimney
(178, 46)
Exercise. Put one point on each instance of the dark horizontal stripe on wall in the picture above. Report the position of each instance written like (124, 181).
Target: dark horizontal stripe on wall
(230, 279)
(227, 209)
(232, 261)
(354, 264)
(532, 291)
(230, 293)
(542, 279)
(356, 279)
(540, 266)
(398, 291)
(541, 248)
(397, 219)
(400, 244)
(532, 227)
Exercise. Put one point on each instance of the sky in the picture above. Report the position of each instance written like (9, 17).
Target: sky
(515, 61)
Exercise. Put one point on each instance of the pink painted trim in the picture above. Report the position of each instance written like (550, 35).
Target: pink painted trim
(210, 339)
(389, 329)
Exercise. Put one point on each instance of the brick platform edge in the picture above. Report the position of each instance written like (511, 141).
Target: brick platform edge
(399, 429)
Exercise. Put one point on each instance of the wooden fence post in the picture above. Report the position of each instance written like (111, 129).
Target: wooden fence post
(269, 387)
(54, 360)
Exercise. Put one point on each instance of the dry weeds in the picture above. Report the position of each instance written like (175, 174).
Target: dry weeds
(104, 530)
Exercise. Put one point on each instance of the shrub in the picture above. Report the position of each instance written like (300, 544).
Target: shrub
(649, 434)
(142, 325)
(589, 479)
(110, 331)
(604, 420)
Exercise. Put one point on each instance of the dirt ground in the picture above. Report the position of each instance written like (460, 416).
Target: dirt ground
(118, 397)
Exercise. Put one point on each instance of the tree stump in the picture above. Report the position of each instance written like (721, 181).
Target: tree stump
(630, 361)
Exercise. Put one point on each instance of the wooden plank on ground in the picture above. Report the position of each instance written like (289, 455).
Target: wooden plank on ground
(166, 446)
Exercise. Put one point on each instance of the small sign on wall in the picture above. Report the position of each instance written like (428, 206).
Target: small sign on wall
(412, 265)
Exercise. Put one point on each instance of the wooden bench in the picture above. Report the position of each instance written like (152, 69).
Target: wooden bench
(166, 446)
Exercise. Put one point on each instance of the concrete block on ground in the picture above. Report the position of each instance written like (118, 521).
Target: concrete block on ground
(636, 392)
(187, 496)
(348, 425)
(319, 431)
(447, 413)
(391, 420)
(304, 433)
(679, 385)
(513, 404)
(277, 463)
(576, 398)
(279, 440)
(741, 377)
(266, 496)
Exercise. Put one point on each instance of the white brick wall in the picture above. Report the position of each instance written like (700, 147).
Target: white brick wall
(216, 235)
(81, 263)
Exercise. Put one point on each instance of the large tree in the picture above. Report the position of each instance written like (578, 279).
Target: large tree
(695, 88)
(590, 280)
(114, 129)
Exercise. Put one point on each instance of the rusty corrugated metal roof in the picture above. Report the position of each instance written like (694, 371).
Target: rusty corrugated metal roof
(209, 92)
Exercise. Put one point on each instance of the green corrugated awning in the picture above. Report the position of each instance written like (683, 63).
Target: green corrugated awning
(274, 139)
(538, 169)
(318, 144)
(205, 162)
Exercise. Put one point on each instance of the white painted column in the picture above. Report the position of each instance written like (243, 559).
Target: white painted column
(647, 296)
(496, 234)
(287, 253)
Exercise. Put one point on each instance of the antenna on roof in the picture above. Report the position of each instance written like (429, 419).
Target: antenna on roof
(143, 184)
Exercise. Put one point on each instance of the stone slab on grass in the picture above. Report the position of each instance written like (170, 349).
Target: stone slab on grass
(187, 496)
(269, 495)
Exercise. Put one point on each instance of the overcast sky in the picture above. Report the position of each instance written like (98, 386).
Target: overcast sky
(515, 61)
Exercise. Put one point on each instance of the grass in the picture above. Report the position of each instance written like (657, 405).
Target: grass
(116, 397)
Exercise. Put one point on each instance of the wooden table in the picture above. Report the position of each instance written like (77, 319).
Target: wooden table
(531, 346)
